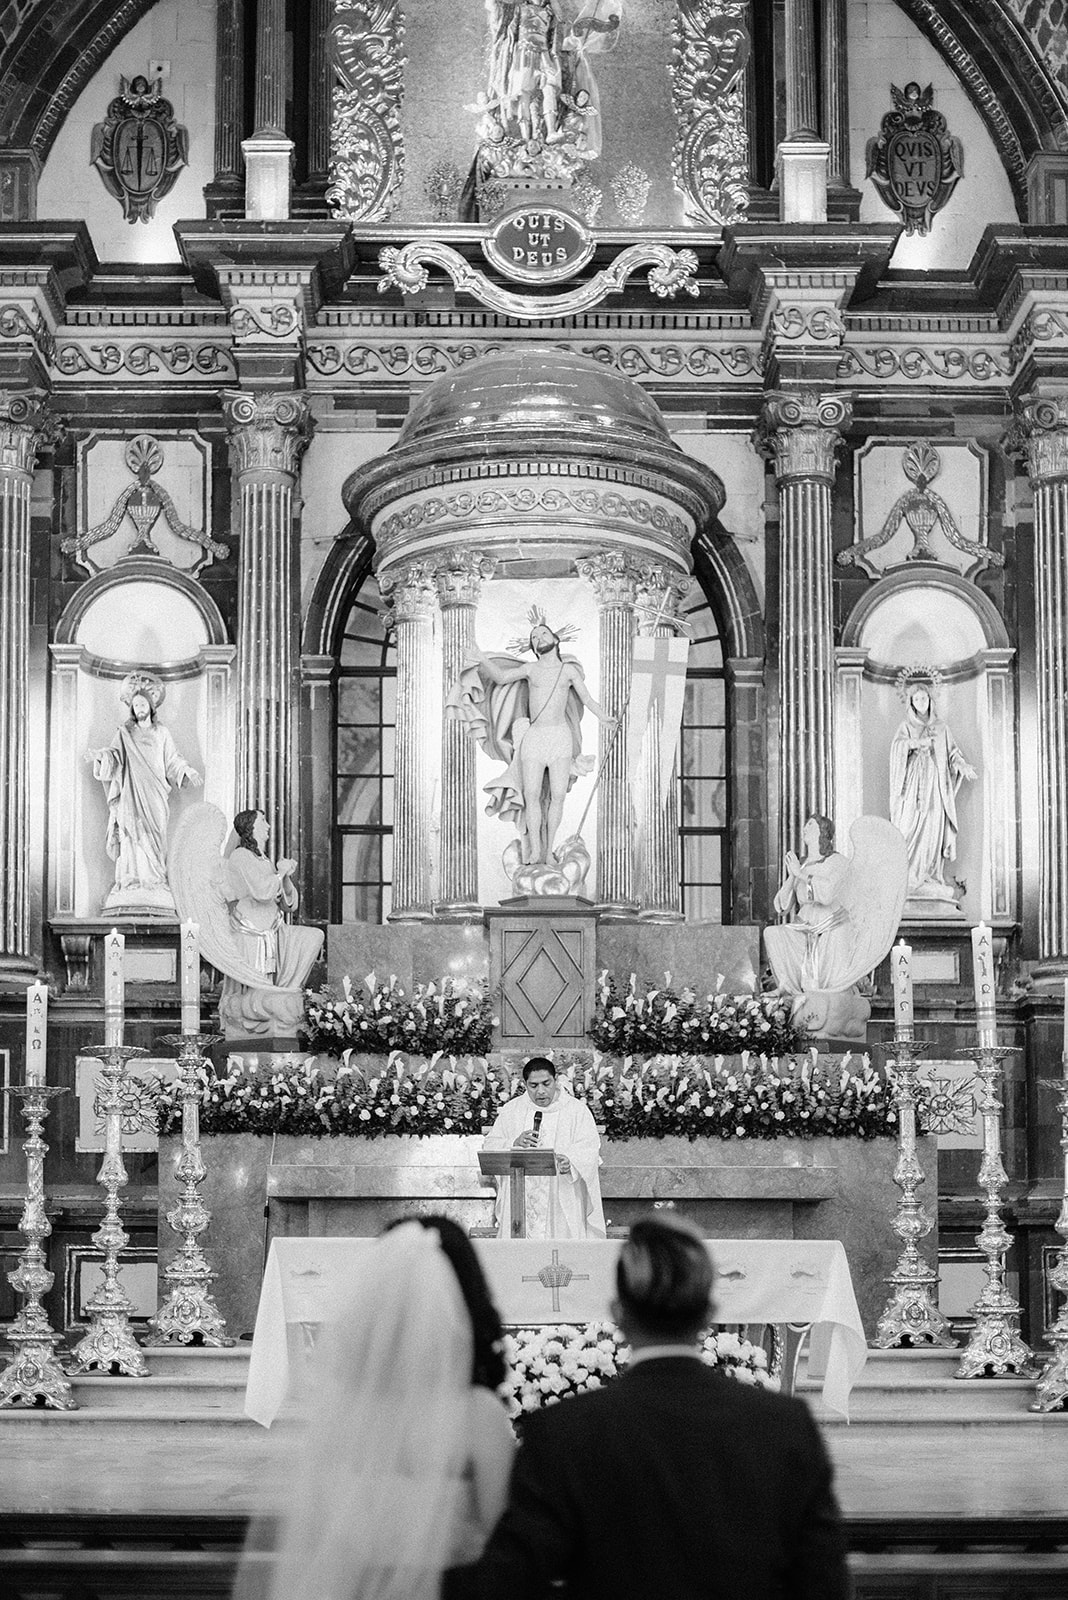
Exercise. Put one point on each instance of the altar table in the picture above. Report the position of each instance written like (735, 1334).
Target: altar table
(537, 1281)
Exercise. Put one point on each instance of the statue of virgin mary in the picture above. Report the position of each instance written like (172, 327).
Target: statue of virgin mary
(927, 769)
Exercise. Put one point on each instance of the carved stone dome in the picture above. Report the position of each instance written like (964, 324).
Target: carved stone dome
(537, 387)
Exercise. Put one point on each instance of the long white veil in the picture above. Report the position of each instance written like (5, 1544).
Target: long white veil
(373, 1499)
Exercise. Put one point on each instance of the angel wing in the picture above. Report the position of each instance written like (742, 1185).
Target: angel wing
(195, 871)
(873, 893)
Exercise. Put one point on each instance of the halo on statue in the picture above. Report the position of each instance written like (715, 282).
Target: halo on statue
(537, 619)
(144, 683)
(919, 675)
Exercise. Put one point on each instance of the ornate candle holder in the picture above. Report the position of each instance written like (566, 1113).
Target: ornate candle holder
(911, 1317)
(995, 1347)
(189, 1311)
(34, 1373)
(110, 1342)
(1051, 1390)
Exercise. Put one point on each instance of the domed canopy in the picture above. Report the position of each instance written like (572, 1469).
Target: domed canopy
(535, 386)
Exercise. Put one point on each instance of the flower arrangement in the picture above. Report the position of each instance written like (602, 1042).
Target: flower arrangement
(453, 1017)
(655, 1021)
(548, 1364)
(669, 1096)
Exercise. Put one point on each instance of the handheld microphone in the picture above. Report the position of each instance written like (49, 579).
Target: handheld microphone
(537, 1124)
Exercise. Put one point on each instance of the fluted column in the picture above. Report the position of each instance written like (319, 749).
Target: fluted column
(1042, 428)
(229, 89)
(835, 73)
(802, 83)
(459, 579)
(320, 91)
(412, 596)
(801, 432)
(25, 426)
(268, 435)
(661, 592)
(613, 577)
(270, 103)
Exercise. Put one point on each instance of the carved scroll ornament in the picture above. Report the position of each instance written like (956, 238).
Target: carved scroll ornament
(366, 145)
(710, 163)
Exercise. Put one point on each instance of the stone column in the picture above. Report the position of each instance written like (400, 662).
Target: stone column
(613, 577)
(269, 153)
(835, 74)
(661, 591)
(1042, 428)
(229, 90)
(268, 435)
(801, 432)
(459, 579)
(25, 427)
(412, 596)
(802, 82)
(320, 92)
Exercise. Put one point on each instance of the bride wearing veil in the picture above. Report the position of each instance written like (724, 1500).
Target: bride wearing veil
(404, 1463)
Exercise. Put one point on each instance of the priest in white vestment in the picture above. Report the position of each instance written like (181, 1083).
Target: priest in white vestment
(567, 1206)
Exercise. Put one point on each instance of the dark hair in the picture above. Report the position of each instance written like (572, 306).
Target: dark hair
(488, 1370)
(537, 1064)
(139, 694)
(243, 825)
(664, 1278)
(826, 827)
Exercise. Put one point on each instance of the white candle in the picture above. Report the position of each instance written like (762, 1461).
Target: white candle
(36, 1032)
(114, 986)
(983, 972)
(901, 974)
(189, 976)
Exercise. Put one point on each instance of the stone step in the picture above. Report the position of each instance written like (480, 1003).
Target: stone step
(165, 1395)
(969, 1399)
(195, 1364)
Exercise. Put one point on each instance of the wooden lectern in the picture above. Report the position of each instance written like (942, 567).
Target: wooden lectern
(518, 1166)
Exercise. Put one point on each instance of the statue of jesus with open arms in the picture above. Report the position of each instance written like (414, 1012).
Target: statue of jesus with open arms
(547, 1116)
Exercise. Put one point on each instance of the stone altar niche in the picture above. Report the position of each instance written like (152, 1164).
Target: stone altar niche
(531, 477)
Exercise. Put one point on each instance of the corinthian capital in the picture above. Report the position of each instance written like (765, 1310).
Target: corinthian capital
(268, 432)
(801, 430)
(411, 591)
(661, 591)
(1040, 432)
(612, 575)
(460, 574)
(26, 426)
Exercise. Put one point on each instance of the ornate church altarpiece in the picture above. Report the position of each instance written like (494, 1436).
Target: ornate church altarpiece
(144, 497)
(924, 501)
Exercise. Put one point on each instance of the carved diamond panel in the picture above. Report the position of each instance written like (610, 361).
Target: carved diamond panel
(544, 968)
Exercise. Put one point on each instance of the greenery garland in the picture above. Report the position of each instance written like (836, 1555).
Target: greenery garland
(666, 1097)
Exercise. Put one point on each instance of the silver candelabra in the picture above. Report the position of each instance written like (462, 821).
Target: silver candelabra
(34, 1375)
(911, 1316)
(1051, 1389)
(110, 1343)
(995, 1348)
(189, 1311)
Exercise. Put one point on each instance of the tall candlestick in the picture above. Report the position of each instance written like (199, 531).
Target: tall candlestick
(114, 986)
(901, 974)
(36, 1032)
(1064, 1042)
(983, 972)
(189, 976)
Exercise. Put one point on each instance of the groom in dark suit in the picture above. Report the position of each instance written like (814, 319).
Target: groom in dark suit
(673, 1483)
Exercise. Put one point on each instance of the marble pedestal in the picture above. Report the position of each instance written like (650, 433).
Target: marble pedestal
(258, 1186)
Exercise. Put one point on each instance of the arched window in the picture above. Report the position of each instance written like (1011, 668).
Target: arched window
(363, 761)
(704, 823)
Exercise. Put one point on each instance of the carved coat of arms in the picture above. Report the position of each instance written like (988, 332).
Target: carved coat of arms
(139, 149)
(914, 161)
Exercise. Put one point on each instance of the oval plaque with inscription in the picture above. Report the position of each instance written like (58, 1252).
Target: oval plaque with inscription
(538, 244)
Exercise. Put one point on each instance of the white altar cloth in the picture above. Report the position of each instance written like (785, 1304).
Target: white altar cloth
(537, 1281)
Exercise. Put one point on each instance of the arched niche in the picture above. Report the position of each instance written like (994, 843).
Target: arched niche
(140, 616)
(928, 616)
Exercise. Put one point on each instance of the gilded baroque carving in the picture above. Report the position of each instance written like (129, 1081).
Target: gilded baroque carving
(535, 502)
(145, 360)
(923, 512)
(366, 142)
(1040, 431)
(801, 431)
(1039, 327)
(949, 363)
(144, 502)
(675, 360)
(396, 360)
(410, 592)
(460, 575)
(710, 163)
(806, 325)
(270, 319)
(612, 575)
(139, 149)
(914, 161)
(630, 191)
(661, 592)
(268, 432)
(26, 427)
(670, 272)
